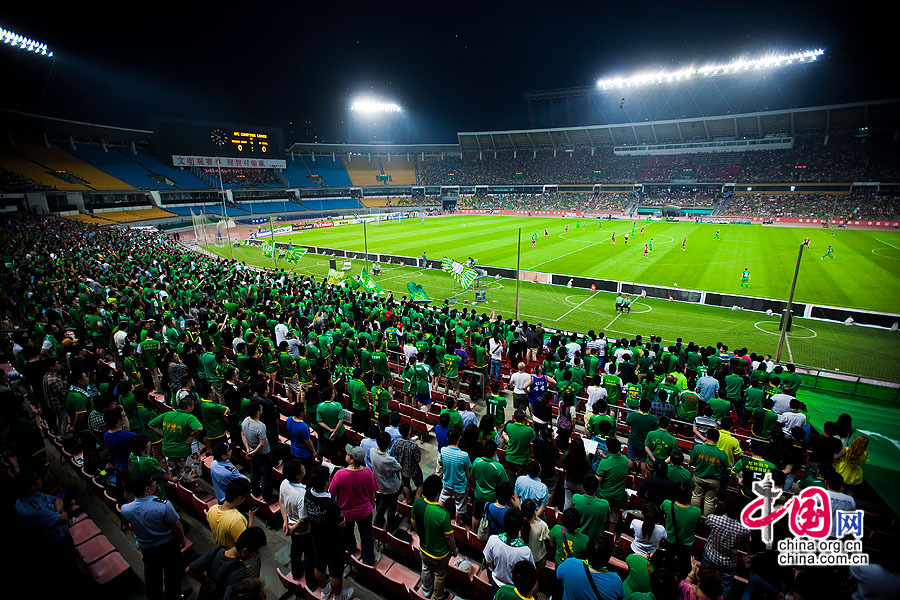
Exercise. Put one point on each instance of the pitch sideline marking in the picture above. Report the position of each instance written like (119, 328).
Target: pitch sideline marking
(799, 337)
(886, 244)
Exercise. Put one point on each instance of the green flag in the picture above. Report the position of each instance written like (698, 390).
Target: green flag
(335, 277)
(295, 253)
(268, 249)
(369, 284)
(463, 275)
(416, 293)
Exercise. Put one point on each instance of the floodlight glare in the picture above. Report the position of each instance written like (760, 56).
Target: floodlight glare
(709, 70)
(368, 105)
(14, 40)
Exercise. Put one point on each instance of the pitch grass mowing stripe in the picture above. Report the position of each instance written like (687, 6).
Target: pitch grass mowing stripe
(859, 350)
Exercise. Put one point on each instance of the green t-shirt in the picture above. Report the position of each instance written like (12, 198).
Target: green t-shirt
(287, 364)
(330, 413)
(496, 406)
(451, 365)
(358, 396)
(593, 424)
(641, 425)
(763, 422)
(509, 592)
(613, 391)
(487, 473)
(77, 403)
(687, 405)
(420, 378)
(793, 381)
(212, 415)
(709, 461)
(679, 474)
(668, 392)
(614, 471)
(456, 421)
(379, 362)
(753, 398)
(432, 523)
(518, 449)
(381, 398)
(638, 580)
(733, 386)
(177, 427)
(720, 408)
(392, 336)
(243, 367)
(574, 545)
(150, 352)
(480, 358)
(594, 512)
(633, 395)
(661, 443)
(686, 519)
(147, 465)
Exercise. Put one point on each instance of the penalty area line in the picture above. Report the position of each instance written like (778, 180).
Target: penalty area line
(574, 307)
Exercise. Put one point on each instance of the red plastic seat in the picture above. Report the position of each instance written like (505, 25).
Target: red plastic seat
(398, 580)
(94, 549)
(108, 568)
(83, 530)
(291, 584)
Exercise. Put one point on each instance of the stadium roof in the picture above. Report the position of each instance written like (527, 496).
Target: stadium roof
(814, 120)
(22, 123)
(379, 149)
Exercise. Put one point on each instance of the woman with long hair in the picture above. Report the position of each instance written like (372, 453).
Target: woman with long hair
(850, 461)
(495, 349)
(535, 532)
(270, 363)
(648, 531)
(575, 466)
(845, 429)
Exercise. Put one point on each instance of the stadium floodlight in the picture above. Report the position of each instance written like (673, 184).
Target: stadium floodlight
(370, 105)
(14, 40)
(710, 70)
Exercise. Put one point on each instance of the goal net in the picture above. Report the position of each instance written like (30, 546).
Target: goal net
(211, 231)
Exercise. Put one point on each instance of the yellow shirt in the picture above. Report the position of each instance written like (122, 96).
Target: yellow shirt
(226, 525)
(730, 446)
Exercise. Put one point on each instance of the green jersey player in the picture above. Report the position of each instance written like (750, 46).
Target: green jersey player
(716, 237)
(829, 253)
(745, 278)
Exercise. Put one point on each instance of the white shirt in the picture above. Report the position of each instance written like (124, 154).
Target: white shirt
(519, 379)
(495, 349)
(281, 331)
(571, 349)
(839, 501)
(119, 338)
(791, 419)
(620, 352)
(646, 546)
(410, 352)
(599, 344)
(235, 342)
(292, 496)
(503, 557)
(782, 403)
(595, 394)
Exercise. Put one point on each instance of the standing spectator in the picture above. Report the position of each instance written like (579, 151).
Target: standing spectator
(46, 524)
(408, 454)
(457, 467)
(226, 522)
(590, 580)
(253, 432)
(709, 461)
(641, 423)
(228, 567)
(518, 445)
(518, 382)
(593, 510)
(850, 461)
(487, 472)
(179, 430)
(295, 524)
(302, 447)
(221, 471)
(330, 419)
(325, 520)
(681, 525)
(839, 501)
(436, 541)
(55, 391)
(726, 535)
(613, 473)
(529, 486)
(524, 583)
(160, 536)
(502, 552)
(386, 469)
(565, 538)
(353, 488)
(535, 533)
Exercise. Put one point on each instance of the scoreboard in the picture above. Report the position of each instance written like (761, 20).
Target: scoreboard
(219, 139)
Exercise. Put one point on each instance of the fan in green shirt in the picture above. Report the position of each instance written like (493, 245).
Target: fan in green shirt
(331, 415)
(381, 398)
(287, 365)
(708, 459)
(486, 474)
(214, 417)
(684, 516)
(668, 391)
(753, 469)
(495, 405)
(641, 423)
(677, 472)
(456, 421)
(142, 464)
(720, 406)
(660, 443)
(451, 365)
(764, 420)
(565, 538)
(613, 385)
(613, 472)
(753, 397)
(177, 428)
(380, 363)
(594, 511)
(520, 435)
(734, 384)
(633, 395)
(687, 405)
(432, 522)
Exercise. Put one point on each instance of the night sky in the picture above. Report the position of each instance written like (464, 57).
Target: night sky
(452, 66)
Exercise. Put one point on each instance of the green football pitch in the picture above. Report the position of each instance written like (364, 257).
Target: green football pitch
(862, 275)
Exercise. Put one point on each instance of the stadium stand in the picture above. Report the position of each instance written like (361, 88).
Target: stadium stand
(14, 182)
(117, 163)
(207, 208)
(298, 172)
(57, 159)
(364, 172)
(131, 216)
(401, 170)
(11, 160)
(592, 203)
(332, 204)
(602, 528)
(332, 172)
(377, 202)
(183, 180)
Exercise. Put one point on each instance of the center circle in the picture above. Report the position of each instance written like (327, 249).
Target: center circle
(799, 337)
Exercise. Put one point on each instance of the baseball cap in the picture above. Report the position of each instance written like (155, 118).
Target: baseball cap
(356, 453)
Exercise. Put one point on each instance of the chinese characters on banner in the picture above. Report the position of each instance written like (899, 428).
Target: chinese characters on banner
(180, 160)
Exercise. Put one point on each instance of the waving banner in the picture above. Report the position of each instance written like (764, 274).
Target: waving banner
(463, 275)
(416, 293)
(369, 284)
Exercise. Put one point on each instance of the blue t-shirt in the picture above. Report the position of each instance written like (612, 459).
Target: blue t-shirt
(537, 389)
(440, 434)
(119, 444)
(222, 474)
(367, 444)
(495, 516)
(526, 488)
(298, 432)
(455, 462)
(39, 513)
(576, 586)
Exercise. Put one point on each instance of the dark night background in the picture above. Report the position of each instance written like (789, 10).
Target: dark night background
(453, 67)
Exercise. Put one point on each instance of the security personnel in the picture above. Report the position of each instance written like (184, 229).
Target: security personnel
(160, 536)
